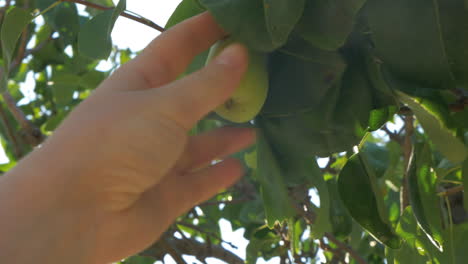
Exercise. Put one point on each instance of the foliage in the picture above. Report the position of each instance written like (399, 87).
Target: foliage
(341, 72)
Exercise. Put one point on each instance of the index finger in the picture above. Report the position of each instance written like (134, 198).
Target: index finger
(167, 56)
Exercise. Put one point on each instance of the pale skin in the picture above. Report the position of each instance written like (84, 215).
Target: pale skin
(121, 167)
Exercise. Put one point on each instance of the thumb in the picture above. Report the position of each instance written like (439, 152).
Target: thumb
(189, 99)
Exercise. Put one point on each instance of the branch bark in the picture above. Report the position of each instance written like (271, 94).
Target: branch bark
(126, 14)
(172, 251)
(192, 247)
(452, 191)
(196, 228)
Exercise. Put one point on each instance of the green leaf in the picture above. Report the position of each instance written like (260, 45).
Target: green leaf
(432, 118)
(14, 23)
(185, 10)
(94, 11)
(263, 241)
(413, 249)
(387, 104)
(411, 48)
(50, 15)
(340, 219)
(51, 54)
(295, 157)
(53, 122)
(251, 159)
(251, 29)
(301, 76)
(92, 79)
(278, 206)
(333, 123)
(394, 170)
(378, 117)
(458, 253)
(281, 17)
(43, 34)
(327, 24)
(378, 158)
(66, 22)
(125, 56)
(360, 197)
(94, 40)
(422, 190)
(64, 85)
(453, 16)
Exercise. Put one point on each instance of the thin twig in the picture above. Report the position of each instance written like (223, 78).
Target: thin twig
(328, 168)
(21, 54)
(310, 217)
(393, 135)
(28, 52)
(346, 248)
(171, 251)
(126, 14)
(451, 191)
(196, 228)
(407, 152)
(194, 248)
(4, 9)
(34, 137)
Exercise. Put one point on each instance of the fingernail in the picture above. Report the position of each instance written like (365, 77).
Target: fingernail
(231, 56)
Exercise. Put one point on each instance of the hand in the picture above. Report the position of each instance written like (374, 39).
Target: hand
(123, 163)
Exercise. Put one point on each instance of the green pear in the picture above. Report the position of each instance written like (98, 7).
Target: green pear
(248, 99)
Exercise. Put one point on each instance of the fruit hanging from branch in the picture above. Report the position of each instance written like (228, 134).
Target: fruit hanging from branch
(248, 99)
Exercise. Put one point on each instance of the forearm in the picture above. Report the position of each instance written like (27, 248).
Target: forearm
(38, 223)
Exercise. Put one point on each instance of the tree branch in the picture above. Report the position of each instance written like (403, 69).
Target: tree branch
(172, 251)
(451, 191)
(192, 247)
(4, 9)
(328, 168)
(33, 135)
(393, 135)
(126, 14)
(28, 52)
(21, 49)
(196, 228)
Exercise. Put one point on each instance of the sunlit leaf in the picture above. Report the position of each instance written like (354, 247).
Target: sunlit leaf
(94, 40)
(14, 23)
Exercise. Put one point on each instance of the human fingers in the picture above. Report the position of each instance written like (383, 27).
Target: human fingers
(177, 193)
(204, 148)
(189, 99)
(167, 56)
